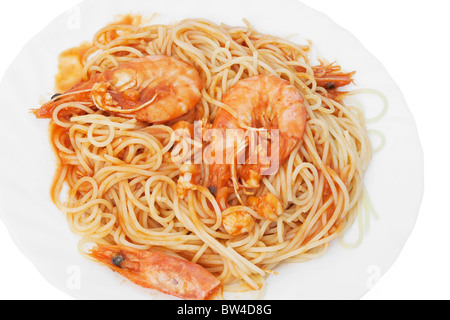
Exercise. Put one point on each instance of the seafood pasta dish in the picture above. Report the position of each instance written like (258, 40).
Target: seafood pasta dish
(194, 158)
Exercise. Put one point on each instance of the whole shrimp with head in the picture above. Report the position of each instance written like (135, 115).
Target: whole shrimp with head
(152, 89)
(262, 102)
(156, 270)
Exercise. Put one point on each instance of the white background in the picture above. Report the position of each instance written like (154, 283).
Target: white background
(411, 40)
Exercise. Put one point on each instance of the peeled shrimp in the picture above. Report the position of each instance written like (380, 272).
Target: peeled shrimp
(263, 101)
(189, 179)
(156, 270)
(153, 89)
(238, 222)
(267, 206)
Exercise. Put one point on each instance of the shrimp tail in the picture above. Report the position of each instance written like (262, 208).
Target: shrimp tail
(155, 270)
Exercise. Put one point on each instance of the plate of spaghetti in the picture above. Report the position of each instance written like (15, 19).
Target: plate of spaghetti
(174, 150)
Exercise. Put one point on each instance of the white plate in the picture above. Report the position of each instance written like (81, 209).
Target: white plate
(394, 180)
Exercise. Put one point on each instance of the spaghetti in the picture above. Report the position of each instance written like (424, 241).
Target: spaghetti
(122, 180)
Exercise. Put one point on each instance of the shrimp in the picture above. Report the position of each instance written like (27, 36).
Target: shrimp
(263, 101)
(160, 271)
(238, 222)
(190, 173)
(330, 77)
(152, 89)
(268, 206)
(190, 176)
